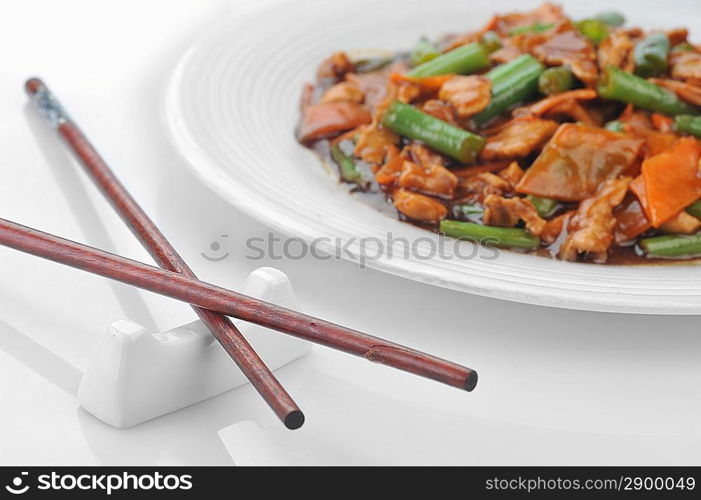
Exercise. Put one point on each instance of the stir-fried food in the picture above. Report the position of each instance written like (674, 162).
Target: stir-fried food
(570, 138)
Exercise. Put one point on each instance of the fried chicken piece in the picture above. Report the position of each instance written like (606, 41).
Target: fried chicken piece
(336, 67)
(685, 65)
(477, 187)
(682, 223)
(518, 139)
(545, 14)
(507, 212)
(373, 143)
(572, 49)
(441, 110)
(615, 50)
(467, 94)
(591, 229)
(407, 91)
(553, 228)
(373, 85)
(423, 156)
(342, 92)
(388, 174)
(677, 35)
(505, 54)
(434, 179)
(512, 174)
(418, 206)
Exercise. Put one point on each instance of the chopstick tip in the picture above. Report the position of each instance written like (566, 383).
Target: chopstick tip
(294, 420)
(33, 85)
(471, 381)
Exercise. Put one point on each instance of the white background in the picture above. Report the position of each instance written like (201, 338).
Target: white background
(556, 386)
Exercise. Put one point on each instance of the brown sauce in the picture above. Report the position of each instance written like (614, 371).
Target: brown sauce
(374, 197)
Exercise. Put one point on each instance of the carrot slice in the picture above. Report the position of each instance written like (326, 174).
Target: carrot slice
(672, 180)
(658, 142)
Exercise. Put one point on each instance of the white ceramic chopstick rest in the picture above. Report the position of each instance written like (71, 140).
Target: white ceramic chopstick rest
(137, 375)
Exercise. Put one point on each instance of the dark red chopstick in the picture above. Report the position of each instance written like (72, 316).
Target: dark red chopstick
(165, 255)
(214, 298)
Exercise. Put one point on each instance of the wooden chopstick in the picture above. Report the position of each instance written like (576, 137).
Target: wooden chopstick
(221, 300)
(165, 255)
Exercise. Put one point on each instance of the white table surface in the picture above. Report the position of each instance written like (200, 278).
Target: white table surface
(556, 386)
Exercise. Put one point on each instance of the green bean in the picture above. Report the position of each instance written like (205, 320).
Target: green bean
(445, 138)
(555, 80)
(491, 41)
(594, 29)
(618, 85)
(463, 60)
(500, 74)
(532, 28)
(513, 82)
(694, 209)
(688, 124)
(545, 206)
(611, 17)
(507, 237)
(347, 166)
(424, 50)
(505, 76)
(614, 126)
(651, 55)
(672, 245)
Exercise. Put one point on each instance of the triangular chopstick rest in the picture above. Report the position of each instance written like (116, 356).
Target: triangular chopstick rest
(137, 375)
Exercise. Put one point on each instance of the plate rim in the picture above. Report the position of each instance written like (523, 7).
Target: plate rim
(182, 142)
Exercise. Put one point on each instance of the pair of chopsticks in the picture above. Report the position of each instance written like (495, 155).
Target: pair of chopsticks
(211, 303)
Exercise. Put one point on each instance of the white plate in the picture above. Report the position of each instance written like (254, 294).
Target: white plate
(233, 103)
